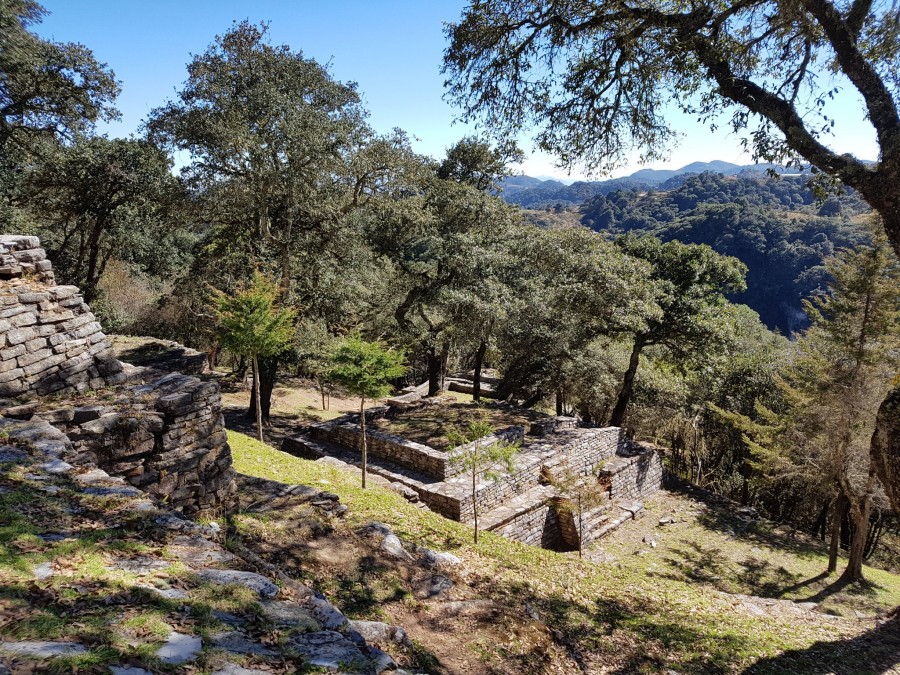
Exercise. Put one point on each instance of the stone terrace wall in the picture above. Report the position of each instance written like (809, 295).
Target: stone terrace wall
(580, 449)
(636, 474)
(537, 527)
(165, 437)
(387, 446)
(50, 343)
(416, 456)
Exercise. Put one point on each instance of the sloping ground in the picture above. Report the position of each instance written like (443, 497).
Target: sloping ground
(97, 578)
(711, 596)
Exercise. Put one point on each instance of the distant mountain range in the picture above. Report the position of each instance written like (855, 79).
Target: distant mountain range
(529, 192)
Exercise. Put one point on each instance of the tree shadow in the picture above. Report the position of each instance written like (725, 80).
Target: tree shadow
(875, 651)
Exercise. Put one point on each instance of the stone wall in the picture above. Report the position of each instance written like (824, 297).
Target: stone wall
(579, 449)
(388, 446)
(538, 526)
(636, 473)
(164, 434)
(409, 454)
(165, 437)
(50, 342)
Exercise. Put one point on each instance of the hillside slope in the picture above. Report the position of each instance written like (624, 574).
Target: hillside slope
(709, 593)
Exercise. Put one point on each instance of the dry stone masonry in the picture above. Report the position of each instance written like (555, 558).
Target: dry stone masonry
(520, 503)
(52, 344)
(163, 433)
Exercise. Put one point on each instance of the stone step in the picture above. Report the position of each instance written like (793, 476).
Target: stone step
(527, 501)
(627, 510)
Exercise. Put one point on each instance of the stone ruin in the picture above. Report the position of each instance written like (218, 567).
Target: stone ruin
(521, 503)
(161, 432)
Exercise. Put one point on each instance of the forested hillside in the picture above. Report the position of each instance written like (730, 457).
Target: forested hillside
(775, 226)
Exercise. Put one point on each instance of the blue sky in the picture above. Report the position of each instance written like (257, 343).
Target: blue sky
(391, 48)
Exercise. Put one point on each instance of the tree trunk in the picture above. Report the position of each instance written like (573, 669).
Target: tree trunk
(885, 447)
(559, 403)
(259, 430)
(618, 414)
(268, 370)
(362, 429)
(474, 490)
(840, 506)
(435, 363)
(476, 373)
(860, 515)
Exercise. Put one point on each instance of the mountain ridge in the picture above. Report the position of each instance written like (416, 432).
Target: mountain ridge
(530, 192)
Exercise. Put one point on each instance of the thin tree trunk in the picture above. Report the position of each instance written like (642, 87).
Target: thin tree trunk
(618, 414)
(268, 372)
(840, 505)
(559, 403)
(474, 491)
(259, 430)
(476, 375)
(860, 515)
(860, 512)
(362, 429)
(580, 529)
(434, 372)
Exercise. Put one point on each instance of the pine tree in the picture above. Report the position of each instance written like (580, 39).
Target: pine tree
(251, 324)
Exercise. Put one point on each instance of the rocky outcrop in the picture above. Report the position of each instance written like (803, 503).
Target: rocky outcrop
(162, 561)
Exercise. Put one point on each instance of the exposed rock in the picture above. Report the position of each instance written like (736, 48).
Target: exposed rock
(141, 565)
(128, 670)
(168, 593)
(251, 580)
(327, 614)
(290, 614)
(57, 466)
(43, 571)
(96, 476)
(179, 648)
(434, 586)
(379, 633)
(196, 550)
(392, 545)
(328, 649)
(40, 649)
(8, 453)
(383, 660)
(438, 559)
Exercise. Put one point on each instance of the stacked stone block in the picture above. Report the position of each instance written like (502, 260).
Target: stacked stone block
(166, 436)
(636, 473)
(50, 342)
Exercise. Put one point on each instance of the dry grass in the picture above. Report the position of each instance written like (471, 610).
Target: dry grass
(430, 424)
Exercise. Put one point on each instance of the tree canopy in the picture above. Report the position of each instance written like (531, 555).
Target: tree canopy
(596, 78)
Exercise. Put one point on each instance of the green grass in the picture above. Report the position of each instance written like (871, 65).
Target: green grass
(620, 612)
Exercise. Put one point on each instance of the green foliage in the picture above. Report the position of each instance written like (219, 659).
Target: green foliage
(49, 91)
(102, 199)
(474, 162)
(771, 225)
(250, 321)
(471, 452)
(365, 369)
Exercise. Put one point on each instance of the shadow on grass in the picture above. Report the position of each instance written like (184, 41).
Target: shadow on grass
(638, 638)
(875, 651)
